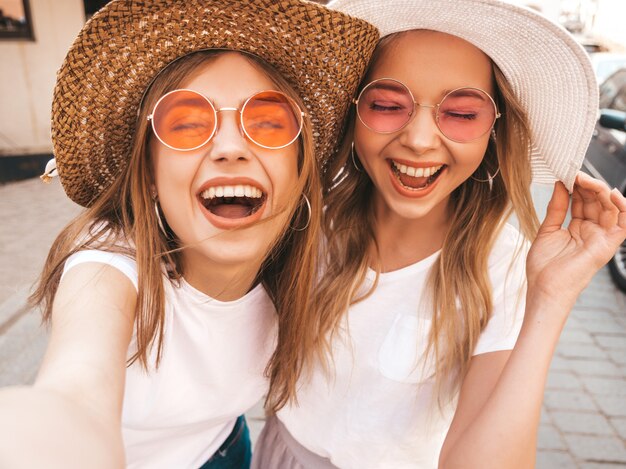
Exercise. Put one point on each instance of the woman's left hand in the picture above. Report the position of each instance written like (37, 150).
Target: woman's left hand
(562, 261)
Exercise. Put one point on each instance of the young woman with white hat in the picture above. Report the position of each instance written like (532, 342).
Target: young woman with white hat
(191, 131)
(437, 354)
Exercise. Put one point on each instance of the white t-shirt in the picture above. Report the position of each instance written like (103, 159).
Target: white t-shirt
(211, 372)
(376, 410)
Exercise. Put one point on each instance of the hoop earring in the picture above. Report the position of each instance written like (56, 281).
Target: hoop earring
(356, 166)
(158, 216)
(489, 179)
(308, 222)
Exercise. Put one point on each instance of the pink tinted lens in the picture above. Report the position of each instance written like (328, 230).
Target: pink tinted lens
(183, 120)
(466, 114)
(385, 106)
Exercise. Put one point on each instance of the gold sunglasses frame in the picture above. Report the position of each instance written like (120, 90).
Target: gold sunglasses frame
(216, 111)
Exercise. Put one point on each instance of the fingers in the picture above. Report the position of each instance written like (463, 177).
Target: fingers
(557, 209)
(620, 202)
(578, 209)
(597, 204)
(584, 181)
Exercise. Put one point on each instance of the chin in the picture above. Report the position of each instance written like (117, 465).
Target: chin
(243, 251)
(408, 209)
(413, 213)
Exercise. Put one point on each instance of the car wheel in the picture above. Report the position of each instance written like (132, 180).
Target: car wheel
(617, 267)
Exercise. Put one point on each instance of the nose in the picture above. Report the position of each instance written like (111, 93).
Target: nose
(421, 133)
(229, 143)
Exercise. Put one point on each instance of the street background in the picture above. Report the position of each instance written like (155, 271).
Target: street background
(28, 65)
(584, 413)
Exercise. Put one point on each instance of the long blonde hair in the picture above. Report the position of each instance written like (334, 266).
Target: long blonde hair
(460, 272)
(125, 212)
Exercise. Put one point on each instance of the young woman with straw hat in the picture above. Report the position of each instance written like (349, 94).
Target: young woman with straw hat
(437, 355)
(190, 130)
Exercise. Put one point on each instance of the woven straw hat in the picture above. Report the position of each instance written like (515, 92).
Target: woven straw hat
(548, 70)
(322, 53)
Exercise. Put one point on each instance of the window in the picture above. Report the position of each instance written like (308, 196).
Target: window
(611, 87)
(15, 21)
(619, 103)
(92, 6)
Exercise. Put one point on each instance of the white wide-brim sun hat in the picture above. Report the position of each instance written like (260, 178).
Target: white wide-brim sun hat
(549, 72)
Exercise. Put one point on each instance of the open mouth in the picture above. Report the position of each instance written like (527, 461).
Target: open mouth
(233, 202)
(416, 179)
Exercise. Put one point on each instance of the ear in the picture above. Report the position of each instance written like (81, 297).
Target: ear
(153, 191)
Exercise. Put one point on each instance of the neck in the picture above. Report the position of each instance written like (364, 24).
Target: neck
(405, 241)
(223, 282)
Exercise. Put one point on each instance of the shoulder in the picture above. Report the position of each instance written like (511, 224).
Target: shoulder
(104, 245)
(122, 262)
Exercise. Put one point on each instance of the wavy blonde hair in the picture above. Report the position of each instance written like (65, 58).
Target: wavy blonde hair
(478, 213)
(125, 211)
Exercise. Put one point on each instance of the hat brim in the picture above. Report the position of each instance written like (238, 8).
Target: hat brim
(549, 72)
(322, 54)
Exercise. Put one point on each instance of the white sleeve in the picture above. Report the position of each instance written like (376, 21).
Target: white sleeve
(507, 271)
(124, 264)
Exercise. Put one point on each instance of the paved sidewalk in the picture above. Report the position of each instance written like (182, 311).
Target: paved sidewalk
(31, 215)
(584, 413)
(584, 410)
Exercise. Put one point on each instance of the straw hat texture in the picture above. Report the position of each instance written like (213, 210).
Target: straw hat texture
(548, 70)
(322, 53)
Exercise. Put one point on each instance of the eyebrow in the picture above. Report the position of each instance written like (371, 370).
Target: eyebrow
(271, 99)
(465, 91)
(188, 101)
(200, 100)
(389, 86)
(470, 92)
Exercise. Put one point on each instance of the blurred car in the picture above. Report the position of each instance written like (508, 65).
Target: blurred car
(590, 43)
(606, 156)
(606, 63)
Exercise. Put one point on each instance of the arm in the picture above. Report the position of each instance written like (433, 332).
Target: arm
(71, 416)
(495, 425)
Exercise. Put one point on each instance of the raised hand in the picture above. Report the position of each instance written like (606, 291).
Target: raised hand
(562, 260)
